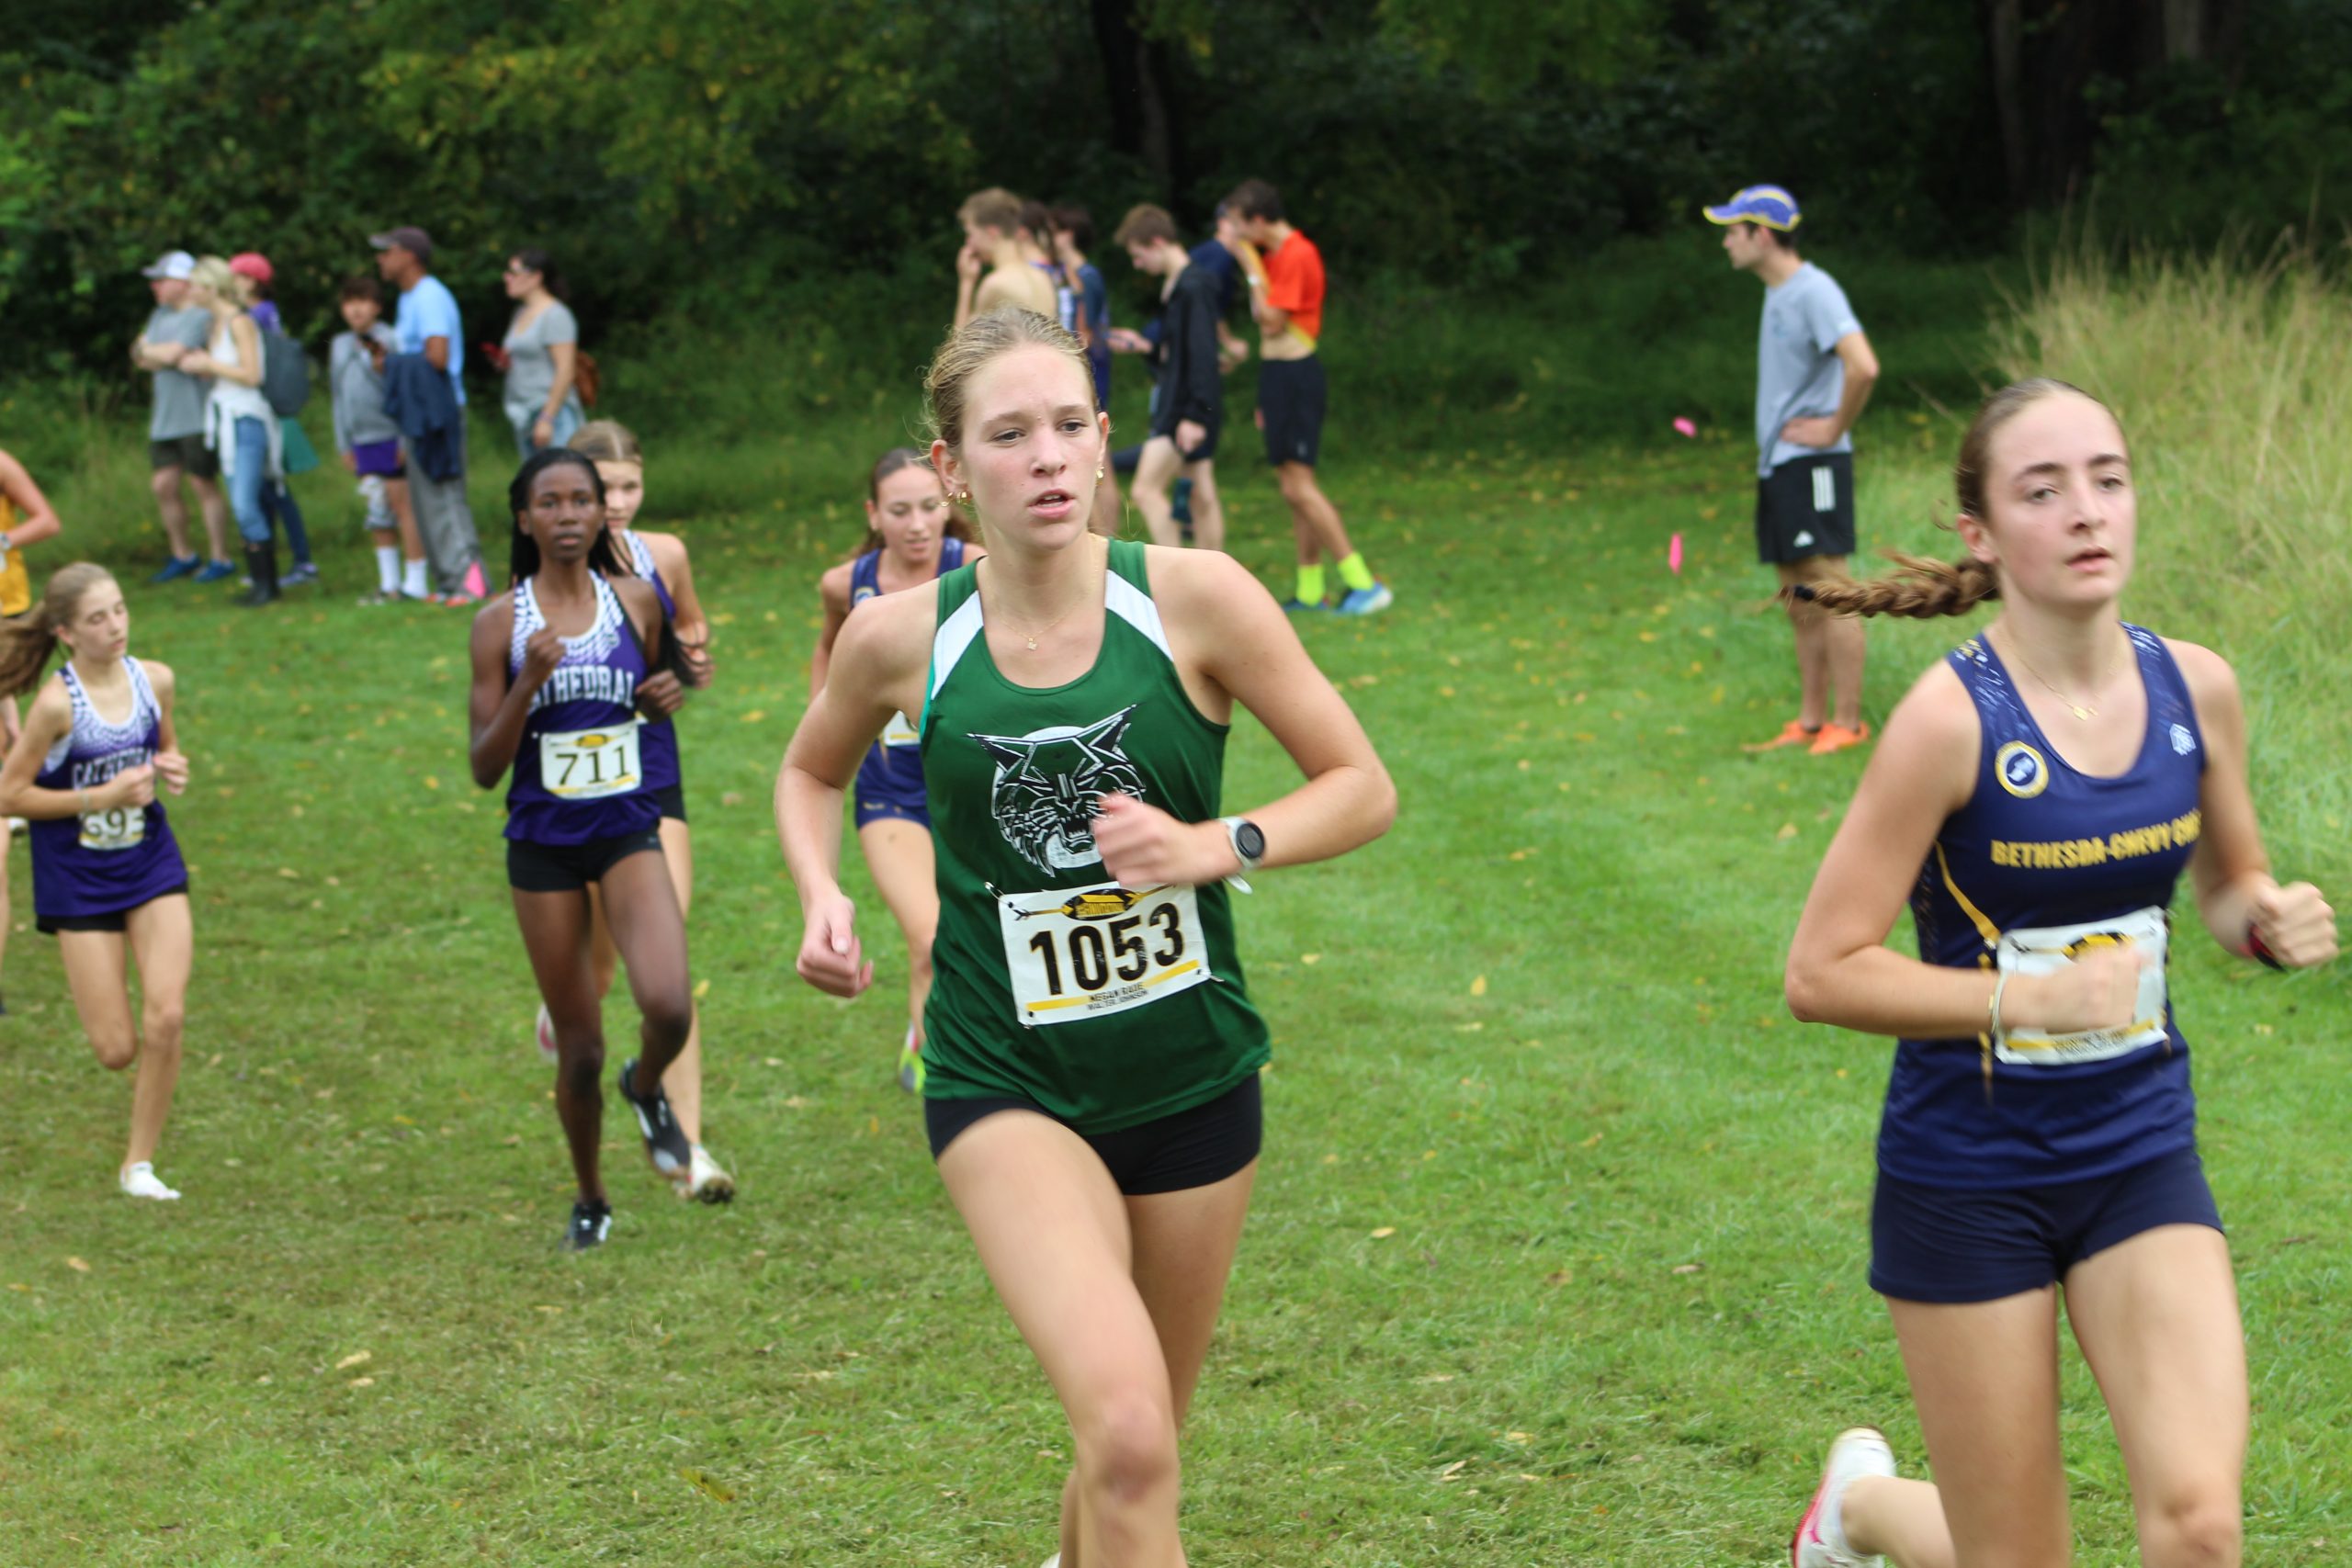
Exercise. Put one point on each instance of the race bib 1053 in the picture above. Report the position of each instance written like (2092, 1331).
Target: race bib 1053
(1078, 952)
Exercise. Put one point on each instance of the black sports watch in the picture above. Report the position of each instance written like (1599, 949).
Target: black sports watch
(1249, 843)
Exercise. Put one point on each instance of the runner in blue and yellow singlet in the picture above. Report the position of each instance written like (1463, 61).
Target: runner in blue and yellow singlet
(566, 666)
(2037, 798)
(1091, 1056)
(912, 537)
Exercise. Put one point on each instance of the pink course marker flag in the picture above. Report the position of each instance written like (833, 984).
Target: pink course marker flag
(1674, 554)
(1684, 427)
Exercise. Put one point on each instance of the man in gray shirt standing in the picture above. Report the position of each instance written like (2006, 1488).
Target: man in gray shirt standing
(175, 448)
(1814, 372)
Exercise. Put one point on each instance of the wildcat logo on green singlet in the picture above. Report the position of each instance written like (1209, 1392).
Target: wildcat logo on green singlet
(1049, 783)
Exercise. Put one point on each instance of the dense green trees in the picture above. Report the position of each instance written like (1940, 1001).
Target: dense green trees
(694, 156)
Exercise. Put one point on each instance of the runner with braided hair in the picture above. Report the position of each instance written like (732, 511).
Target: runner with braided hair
(2037, 797)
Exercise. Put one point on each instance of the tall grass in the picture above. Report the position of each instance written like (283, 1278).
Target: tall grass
(2232, 378)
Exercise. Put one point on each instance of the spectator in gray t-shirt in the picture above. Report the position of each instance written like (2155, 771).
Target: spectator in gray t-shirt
(1814, 373)
(175, 448)
(542, 357)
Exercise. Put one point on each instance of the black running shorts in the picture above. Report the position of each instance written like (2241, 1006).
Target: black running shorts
(1804, 508)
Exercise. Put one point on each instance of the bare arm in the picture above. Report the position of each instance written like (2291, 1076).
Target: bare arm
(36, 519)
(436, 354)
(877, 669)
(833, 590)
(499, 707)
(1840, 970)
(1861, 376)
(170, 763)
(566, 357)
(2230, 869)
(45, 723)
(1224, 624)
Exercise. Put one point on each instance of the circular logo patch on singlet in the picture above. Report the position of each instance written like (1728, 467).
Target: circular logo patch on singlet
(2022, 770)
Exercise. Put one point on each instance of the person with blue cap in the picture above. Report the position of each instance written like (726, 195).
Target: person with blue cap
(1813, 373)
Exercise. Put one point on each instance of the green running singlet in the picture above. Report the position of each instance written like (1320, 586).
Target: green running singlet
(1106, 1007)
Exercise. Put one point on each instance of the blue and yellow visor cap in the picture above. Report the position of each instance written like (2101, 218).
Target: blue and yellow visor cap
(1767, 205)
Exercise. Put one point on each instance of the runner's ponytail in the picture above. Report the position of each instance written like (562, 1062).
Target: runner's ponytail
(28, 641)
(1921, 587)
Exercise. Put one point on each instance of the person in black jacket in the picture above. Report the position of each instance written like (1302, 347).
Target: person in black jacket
(1188, 397)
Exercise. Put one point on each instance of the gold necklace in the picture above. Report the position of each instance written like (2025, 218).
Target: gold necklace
(1031, 638)
(2080, 710)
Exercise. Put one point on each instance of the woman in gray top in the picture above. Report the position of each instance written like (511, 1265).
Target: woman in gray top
(541, 357)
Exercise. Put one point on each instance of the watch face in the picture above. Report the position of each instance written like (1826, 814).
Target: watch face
(1249, 840)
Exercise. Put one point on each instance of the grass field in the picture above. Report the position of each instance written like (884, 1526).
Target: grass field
(1558, 1250)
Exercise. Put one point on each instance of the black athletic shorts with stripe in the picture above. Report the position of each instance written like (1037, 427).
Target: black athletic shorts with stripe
(1805, 507)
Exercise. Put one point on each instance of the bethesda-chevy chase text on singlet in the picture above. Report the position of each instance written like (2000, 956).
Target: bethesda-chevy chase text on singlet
(580, 773)
(2043, 863)
(1106, 1005)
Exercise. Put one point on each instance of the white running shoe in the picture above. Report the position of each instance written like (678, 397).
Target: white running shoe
(545, 1029)
(140, 1181)
(1820, 1541)
(1053, 1562)
(706, 1181)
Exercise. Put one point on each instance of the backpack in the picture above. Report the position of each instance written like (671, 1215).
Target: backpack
(285, 374)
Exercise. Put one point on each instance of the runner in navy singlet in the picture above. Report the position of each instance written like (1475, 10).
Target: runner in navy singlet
(565, 666)
(2037, 797)
(661, 559)
(912, 537)
(107, 871)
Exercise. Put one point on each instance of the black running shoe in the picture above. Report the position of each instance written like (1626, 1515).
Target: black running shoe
(665, 1141)
(591, 1222)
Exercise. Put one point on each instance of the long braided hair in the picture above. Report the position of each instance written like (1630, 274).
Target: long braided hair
(1920, 586)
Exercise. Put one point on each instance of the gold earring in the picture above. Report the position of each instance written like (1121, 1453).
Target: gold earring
(1098, 473)
(965, 498)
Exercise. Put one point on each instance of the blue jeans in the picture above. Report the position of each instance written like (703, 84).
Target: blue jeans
(567, 421)
(249, 478)
(280, 509)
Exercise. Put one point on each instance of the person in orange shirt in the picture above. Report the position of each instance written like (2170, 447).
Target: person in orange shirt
(1285, 274)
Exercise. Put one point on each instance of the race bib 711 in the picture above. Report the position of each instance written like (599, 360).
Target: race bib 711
(589, 764)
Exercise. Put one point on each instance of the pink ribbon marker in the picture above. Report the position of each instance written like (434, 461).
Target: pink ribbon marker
(1674, 554)
(1684, 427)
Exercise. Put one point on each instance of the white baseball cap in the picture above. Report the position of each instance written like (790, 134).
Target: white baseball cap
(170, 264)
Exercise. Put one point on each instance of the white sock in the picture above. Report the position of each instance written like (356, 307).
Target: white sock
(140, 1181)
(413, 578)
(388, 568)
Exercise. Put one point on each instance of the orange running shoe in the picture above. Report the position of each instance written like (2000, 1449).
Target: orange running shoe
(1837, 737)
(1791, 734)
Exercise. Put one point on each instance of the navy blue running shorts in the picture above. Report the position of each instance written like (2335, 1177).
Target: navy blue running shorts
(1953, 1244)
(1192, 1148)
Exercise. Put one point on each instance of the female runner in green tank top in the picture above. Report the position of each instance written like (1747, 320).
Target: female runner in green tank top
(1092, 1054)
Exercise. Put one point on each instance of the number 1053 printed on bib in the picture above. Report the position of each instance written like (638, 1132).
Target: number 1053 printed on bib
(1078, 952)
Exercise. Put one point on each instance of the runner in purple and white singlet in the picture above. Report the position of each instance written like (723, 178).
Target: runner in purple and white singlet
(106, 873)
(912, 537)
(566, 669)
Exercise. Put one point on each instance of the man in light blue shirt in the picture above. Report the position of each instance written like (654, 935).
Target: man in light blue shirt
(1814, 372)
(429, 325)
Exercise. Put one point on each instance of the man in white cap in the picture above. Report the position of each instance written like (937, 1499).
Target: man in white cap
(1814, 372)
(175, 448)
(428, 325)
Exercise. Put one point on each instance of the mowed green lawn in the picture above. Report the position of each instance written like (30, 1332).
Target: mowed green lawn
(1557, 1255)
